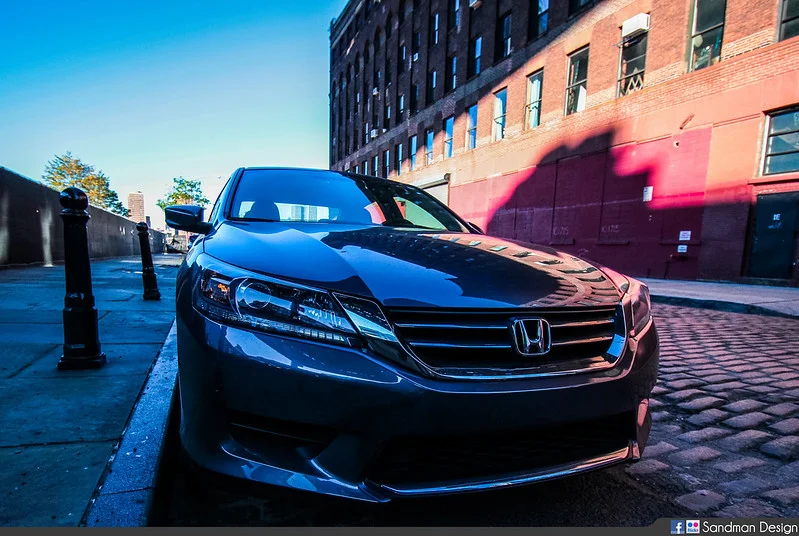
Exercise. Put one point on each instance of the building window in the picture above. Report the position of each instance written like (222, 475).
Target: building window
(789, 19)
(434, 30)
(365, 167)
(400, 106)
(432, 83)
(387, 115)
(538, 19)
(398, 158)
(366, 133)
(449, 124)
(475, 54)
(414, 98)
(454, 20)
(376, 78)
(357, 169)
(428, 146)
(633, 62)
(402, 58)
(389, 24)
(500, 112)
(503, 37)
(471, 127)
(708, 31)
(412, 148)
(388, 71)
(375, 165)
(577, 5)
(452, 73)
(417, 45)
(532, 115)
(782, 143)
(577, 83)
(401, 13)
(386, 163)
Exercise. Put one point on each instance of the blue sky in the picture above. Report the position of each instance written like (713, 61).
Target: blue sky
(147, 91)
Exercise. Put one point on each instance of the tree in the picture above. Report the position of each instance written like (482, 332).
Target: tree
(64, 171)
(184, 192)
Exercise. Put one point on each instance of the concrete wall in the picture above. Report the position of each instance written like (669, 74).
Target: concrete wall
(31, 231)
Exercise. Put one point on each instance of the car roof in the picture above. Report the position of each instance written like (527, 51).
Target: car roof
(285, 168)
(348, 174)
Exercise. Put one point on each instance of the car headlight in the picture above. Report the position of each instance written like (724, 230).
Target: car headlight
(641, 305)
(637, 294)
(234, 296)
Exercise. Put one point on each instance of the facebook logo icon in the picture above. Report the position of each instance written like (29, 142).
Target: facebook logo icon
(677, 526)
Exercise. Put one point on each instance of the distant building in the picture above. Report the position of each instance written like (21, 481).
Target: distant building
(136, 206)
(660, 138)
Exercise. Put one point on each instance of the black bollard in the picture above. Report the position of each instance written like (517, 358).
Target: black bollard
(147, 270)
(81, 341)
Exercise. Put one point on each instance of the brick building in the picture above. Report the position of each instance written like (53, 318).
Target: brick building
(136, 206)
(658, 137)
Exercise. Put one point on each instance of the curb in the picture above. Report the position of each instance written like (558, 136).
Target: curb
(125, 495)
(719, 305)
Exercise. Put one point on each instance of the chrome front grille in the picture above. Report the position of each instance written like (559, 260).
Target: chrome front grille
(456, 342)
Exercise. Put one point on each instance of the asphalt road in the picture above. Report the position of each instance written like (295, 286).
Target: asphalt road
(723, 443)
(609, 498)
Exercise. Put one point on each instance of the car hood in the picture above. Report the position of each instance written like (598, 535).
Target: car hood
(412, 268)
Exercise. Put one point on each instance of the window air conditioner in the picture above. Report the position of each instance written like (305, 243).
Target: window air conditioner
(375, 92)
(635, 26)
(415, 56)
(475, 3)
(373, 133)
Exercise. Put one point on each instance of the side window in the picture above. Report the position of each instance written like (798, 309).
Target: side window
(217, 204)
(215, 209)
(418, 215)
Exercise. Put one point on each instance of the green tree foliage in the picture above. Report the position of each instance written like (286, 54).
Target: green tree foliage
(184, 192)
(65, 170)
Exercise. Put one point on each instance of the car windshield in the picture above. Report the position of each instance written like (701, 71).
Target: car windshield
(330, 197)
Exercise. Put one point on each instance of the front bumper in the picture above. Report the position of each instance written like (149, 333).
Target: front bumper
(315, 417)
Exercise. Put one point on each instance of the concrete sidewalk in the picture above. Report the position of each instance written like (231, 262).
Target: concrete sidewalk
(59, 428)
(783, 301)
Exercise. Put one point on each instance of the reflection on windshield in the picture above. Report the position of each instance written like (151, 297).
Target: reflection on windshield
(306, 196)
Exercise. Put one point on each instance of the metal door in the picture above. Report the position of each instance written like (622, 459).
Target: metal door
(775, 236)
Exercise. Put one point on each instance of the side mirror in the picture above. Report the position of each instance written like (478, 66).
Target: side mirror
(474, 228)
(187, 218)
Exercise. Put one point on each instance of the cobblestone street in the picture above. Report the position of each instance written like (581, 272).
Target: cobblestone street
(725, 442)
(726, 413)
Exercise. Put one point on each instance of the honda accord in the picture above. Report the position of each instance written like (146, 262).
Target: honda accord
(353, 336)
